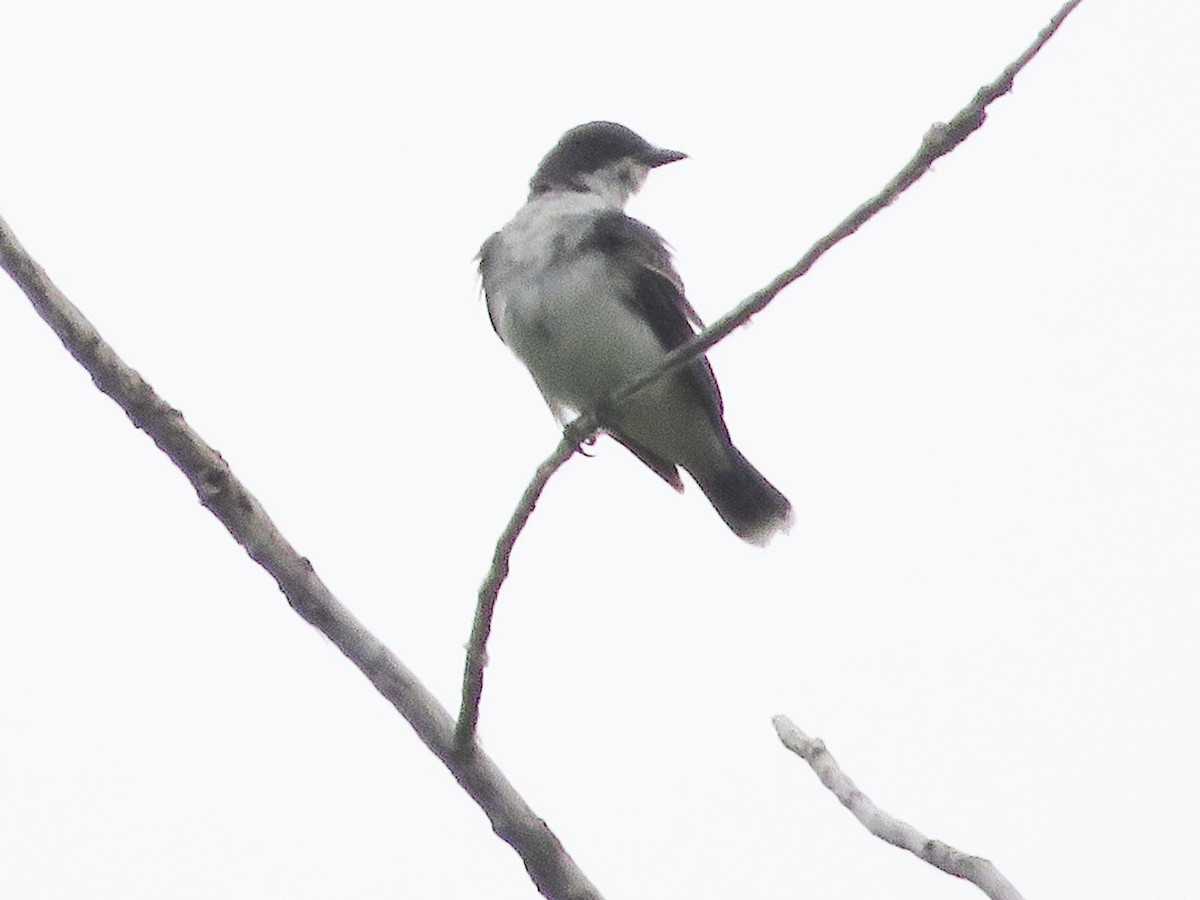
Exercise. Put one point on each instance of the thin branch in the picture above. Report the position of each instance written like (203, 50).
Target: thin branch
(468, 715)
(552, 870)
(974, 869)
(938, 141)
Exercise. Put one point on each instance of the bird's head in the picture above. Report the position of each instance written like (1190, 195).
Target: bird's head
(603, 158)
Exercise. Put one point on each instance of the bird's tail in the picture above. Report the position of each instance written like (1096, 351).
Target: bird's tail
(750, 505)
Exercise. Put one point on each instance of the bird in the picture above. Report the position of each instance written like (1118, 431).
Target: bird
(588, 298)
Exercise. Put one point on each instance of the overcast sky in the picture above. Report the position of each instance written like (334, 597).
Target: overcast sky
(983, 407)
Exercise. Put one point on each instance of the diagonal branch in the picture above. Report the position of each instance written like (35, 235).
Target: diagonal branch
(974, 869)
(468, 716)
(938, 141)
(552, 870)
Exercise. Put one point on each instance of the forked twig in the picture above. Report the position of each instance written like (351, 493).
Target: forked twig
(939, 140)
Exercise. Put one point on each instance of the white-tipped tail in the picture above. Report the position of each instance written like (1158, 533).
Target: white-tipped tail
(751, 506)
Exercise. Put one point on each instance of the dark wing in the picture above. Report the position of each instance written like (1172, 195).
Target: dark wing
(646, 258)
(657, 296)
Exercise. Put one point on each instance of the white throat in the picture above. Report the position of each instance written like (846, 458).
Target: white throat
(617, 182)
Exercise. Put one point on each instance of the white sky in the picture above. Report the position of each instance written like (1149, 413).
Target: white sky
(983, 406)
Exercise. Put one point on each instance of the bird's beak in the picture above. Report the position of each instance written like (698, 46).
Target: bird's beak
(662, 157)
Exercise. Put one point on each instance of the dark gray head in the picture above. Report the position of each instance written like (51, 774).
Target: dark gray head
(602, 157)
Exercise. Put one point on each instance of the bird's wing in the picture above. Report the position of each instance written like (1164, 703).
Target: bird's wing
(656, 295)
(486, 258)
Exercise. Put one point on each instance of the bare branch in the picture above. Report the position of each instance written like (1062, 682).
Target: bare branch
(468, 715)
(938, 141)
(974, 869)
(552, 870)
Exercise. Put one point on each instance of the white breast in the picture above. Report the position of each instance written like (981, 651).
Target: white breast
(560, 309)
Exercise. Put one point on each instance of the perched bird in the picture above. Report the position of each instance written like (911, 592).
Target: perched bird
(588, 298)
